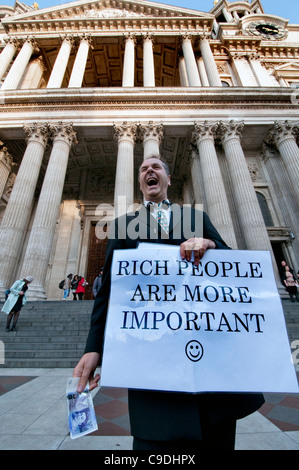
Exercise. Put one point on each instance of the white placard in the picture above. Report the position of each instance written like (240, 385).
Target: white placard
(218, 327)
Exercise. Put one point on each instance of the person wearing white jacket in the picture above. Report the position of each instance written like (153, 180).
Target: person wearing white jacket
(15, 301)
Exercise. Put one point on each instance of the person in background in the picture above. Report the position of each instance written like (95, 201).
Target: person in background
(97, 283)
(74, 285)
(16, 299)
(291, 284)
(81, 287)
(67, 286)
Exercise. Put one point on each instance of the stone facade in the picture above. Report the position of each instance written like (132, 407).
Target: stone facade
(89, 89)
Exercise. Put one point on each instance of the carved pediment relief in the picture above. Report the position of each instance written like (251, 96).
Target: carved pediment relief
(106, 9)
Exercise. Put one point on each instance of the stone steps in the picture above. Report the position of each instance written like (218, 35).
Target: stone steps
(53, 334)
(49, 334)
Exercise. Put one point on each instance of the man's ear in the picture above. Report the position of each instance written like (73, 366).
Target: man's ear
(169, 182)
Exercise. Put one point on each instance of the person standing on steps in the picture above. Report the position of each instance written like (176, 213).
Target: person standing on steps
(67, 286)
(162, 421)
(15, 301)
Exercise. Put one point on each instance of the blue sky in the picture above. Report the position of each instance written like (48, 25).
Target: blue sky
(288, 9)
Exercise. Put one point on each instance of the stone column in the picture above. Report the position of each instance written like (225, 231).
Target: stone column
(249, 213)
(191, 67)
(125, 134)
(129, 61)
(284, 136)
(80, 62)
(61, 62)
(210, 65)
(7, 54)
(20, 203)
(183, 72)
(39, 246)
(17, 69)
(195, 175)
(6, 162)
(32, 78)
(217, 204)
(151, 134)
(202, 72)
(148, 61)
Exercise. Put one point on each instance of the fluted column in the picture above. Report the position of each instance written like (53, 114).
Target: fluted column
(183, 72)
(151, 134)
(217, 204)
(61, 62)
(249, 213)
(125, 134)
(195, 173)
(41, 236)
(7, 54)
(17, 69)
(210, 65)
(20, 203)
(191, 67)
(202, 72)
(284, 136)
(6, 162)
(77, 74)
(129, 61)
(148, 61)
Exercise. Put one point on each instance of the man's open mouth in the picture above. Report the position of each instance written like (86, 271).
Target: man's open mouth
(152, 181)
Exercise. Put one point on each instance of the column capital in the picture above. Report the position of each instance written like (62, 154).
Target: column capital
(203, 36)
(151, 129)
(148, 35)
(11, 40)
(186, 36)
(204, 131)
(130, 36)
(85, 37)
(37, 132)
(30, 40)
(69, 38)
(282, 131)
(63, 131)
(125, 131)
(230, 130)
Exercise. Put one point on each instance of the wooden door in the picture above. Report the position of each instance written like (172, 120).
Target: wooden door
(96, 259)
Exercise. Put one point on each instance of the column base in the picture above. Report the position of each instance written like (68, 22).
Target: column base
(36, 292)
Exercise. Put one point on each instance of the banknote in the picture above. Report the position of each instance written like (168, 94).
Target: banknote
(81, 414)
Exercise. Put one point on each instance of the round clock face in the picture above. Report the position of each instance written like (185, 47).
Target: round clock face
(267, 30)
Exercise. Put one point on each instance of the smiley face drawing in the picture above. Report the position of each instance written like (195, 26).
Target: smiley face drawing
(194, 350)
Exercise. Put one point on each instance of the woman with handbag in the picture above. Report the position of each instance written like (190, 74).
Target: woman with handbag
(81, 287)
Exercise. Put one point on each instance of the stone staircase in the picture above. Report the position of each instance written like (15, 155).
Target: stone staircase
(49, 334)
(53, 333)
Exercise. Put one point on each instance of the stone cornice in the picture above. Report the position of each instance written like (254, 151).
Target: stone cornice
(108, 26)
(51, 102)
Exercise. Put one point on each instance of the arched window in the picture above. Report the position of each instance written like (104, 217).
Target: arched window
(265, 210)
(223, 83)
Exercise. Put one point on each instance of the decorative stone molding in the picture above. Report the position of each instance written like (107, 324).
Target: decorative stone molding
(230, 130)
(125, 131)
(283, 130)
(5, 157)
(62, 131)
(204, 131)
(150, 129)
(37, 132)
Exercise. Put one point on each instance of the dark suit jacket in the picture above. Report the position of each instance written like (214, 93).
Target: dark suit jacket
(157, 415)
